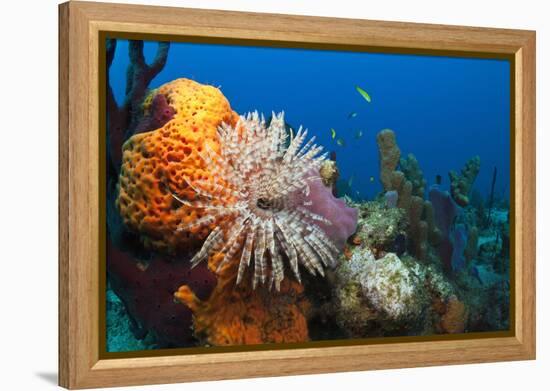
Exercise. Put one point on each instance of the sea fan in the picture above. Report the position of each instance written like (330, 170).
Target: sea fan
(256, 197)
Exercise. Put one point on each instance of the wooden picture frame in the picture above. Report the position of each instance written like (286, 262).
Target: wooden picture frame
(81, 364)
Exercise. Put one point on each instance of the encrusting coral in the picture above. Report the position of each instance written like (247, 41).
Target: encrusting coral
(154, 165)
(461, 184)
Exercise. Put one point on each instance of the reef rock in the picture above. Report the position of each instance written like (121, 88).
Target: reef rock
(387, 292)
(379, 227)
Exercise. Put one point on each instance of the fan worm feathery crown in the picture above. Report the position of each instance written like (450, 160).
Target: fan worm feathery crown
(256, 198)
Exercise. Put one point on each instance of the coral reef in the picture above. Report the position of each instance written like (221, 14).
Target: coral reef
(257, 196)
(181, 183)
(155, 164)
(461, 183)
(256, 201)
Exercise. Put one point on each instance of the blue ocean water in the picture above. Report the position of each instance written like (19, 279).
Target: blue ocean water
(444, 110)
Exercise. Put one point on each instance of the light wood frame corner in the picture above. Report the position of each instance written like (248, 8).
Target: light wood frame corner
(80, 24)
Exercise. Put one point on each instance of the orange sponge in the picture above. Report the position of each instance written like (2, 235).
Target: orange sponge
(154, 164)
(239, 315)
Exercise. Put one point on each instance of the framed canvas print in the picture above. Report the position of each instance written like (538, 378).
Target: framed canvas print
(254, 195)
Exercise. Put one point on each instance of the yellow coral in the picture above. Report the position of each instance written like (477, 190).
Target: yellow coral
(240, 315)
(155, 163)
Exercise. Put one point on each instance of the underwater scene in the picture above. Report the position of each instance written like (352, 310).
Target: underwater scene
(270, 195)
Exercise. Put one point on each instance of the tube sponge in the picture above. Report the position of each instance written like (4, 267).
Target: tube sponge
(389, 158)
(462, 184)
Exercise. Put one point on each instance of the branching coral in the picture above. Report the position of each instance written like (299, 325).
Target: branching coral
(256, 195)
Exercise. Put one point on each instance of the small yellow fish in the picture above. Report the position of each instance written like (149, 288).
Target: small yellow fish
(363, 93)
(371, 179)
(352, 115)
(359, 134)
(333, 133)
(341, 142)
